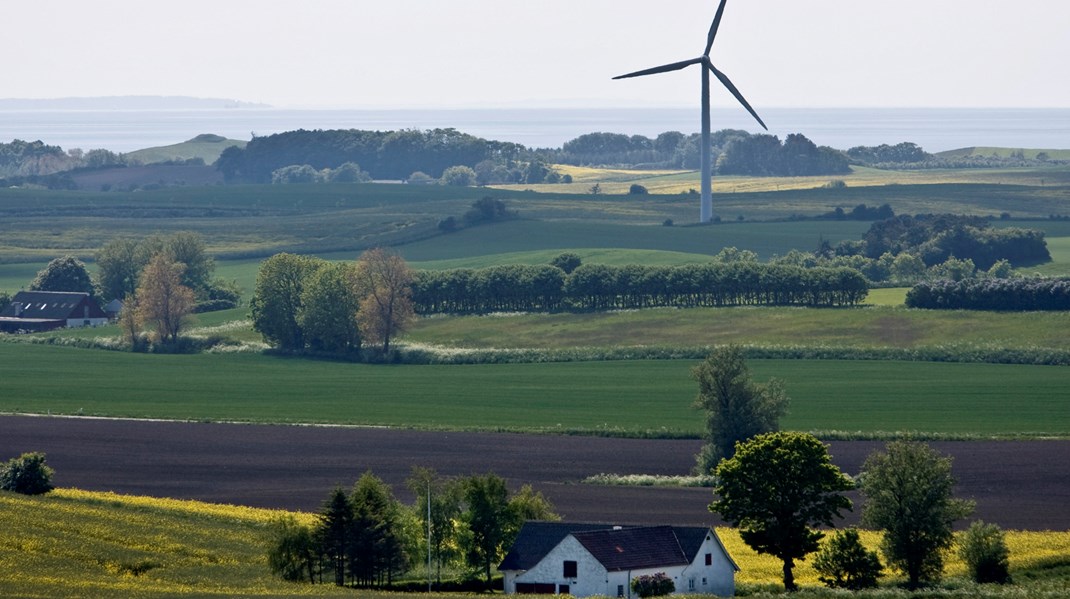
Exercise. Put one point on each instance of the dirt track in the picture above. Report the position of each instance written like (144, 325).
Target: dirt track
(1017, 484)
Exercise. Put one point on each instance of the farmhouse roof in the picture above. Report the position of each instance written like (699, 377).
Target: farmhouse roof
(615, 547)
(536, 539)
(634, 548)
(51, 305)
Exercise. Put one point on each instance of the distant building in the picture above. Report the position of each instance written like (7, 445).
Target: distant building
(34, 311)
(585, 560)
(113, 308)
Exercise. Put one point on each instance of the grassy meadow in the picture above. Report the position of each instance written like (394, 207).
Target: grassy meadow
(623, 397)
(72, 543)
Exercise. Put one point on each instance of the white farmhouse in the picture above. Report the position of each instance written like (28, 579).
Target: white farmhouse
(584, 560)
(34, 311)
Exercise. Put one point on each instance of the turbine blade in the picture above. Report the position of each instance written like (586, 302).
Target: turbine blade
(676, 66)
(713, 28)
(739, 96)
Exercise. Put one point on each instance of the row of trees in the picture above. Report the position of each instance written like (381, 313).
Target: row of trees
(991, 294)
(601, 287)
(384, 154)
(366, 538)
(776, 487)
(901, 269)
(304, 302)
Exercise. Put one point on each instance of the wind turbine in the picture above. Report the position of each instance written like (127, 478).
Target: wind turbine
(706, 212)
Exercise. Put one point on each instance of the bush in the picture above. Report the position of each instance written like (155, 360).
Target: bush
(845, 564)
(26, 474)
(637, 189)
(214, 305)
(653, 585)
(985, 552)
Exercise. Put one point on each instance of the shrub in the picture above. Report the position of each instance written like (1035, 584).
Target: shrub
(214, 305)
(637, 189)
(845, 564)
(653, 585)
(26, 474)
(984, 550)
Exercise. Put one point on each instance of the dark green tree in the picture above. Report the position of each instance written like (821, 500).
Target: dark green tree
(293, 555)
(984, 549)
(376, 550)
(118, 268)
(189, 249)
(777, 487)
(908, 490)
(488, 519)
(27, 474)
(736, 407)
(844, 563)
(459, 176)
(328, 312)
(566, 261)
(64, 274)
(334, 533)
(277, 300)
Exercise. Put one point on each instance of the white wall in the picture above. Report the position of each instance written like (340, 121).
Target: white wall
(74, 323)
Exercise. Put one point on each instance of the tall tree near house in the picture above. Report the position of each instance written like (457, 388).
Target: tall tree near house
(488, 519)
(736, 407)
(908, 490)
(334, 532)
(162, 299)
(118, 268)
(384, 282)
(64, 274)
(777, 487)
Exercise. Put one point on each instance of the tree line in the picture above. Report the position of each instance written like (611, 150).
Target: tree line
(383, 154)
(991, 294)
(735, 152)
(302, 302)
(367, 538)
(602, 287)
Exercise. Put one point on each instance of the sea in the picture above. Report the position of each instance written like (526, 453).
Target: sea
(934, 129)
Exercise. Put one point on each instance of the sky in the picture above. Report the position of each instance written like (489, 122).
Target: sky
(545, 53)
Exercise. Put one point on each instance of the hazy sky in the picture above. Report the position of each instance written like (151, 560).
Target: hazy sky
(479, 53)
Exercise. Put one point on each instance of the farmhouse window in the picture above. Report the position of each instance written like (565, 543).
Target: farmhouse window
(620, 590)
(709, 559)
(562, 589)
(690, 584)
(570, 569)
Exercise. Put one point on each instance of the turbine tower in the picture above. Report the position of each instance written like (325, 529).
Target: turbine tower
(706, 212)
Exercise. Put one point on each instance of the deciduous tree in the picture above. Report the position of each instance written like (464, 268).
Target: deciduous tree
(908, 490)
(328, 311)
(162, 300)
(775, 488)
(736, 407)
(27, 474)
(64, 274)
(488, 519)
(277, 300)
(439, 500)
(383, 281)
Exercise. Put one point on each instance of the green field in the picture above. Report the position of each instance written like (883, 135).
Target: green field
(864, 327)
(628, 397)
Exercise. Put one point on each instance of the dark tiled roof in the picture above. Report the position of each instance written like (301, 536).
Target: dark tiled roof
(617, 548)
(51, 305)
(634, 548)
(536, 539)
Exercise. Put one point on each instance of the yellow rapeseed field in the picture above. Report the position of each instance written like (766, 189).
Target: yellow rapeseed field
(73, 543)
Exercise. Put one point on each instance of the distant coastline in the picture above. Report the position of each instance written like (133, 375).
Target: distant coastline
(140, 125)
(125, 103)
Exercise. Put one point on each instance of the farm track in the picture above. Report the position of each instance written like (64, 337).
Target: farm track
(1021, 485)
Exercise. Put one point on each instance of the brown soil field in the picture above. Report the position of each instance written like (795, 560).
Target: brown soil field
(1021, 485)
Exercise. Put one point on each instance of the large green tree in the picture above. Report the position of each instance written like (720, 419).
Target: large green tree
(334, 532)
(277, 300)
(328, 311)
(118, 267)
(488, 520)
(908, 490)
(777, 487)
(376, 549)
(736, 407)
(64, 274)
